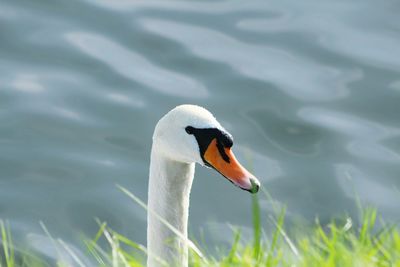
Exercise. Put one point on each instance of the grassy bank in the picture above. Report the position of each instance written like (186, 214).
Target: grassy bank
(337, 244)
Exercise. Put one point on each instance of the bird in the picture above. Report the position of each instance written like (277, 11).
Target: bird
(186, 135)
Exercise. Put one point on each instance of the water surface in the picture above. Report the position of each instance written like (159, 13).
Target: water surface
(310, 91)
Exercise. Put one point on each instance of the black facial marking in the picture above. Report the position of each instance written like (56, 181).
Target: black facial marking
(204, 137)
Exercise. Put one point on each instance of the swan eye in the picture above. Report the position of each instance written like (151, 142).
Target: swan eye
(189, 129)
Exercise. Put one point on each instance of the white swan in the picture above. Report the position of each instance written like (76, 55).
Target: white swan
(186, 135)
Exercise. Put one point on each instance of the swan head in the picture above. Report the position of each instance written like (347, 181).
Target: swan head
(191, 134)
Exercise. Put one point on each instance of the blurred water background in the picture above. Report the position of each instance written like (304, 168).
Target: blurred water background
(309, 89)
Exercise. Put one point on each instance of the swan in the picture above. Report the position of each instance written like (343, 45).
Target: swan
(186, 135)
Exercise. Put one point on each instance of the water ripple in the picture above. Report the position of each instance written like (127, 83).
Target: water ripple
(365, 136)
(295, 75)
(136, 67)
(338, 28)
(350, 176)
(27, 83)
(126, 100)
(206, 7)
(343, 123)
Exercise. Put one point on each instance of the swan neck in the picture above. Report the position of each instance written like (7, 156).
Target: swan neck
(170, 183)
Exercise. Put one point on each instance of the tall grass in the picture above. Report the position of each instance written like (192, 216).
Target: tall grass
(12, 257)
(340, 243)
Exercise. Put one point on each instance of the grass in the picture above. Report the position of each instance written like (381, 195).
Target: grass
(339, 243)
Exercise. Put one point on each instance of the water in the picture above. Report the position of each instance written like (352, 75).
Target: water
(310, 91)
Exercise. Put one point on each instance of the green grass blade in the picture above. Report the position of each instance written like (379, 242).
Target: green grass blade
(234, 247)
(8, 247)
(256, 227)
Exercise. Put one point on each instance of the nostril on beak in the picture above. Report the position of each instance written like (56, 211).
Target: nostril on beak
(255, 185)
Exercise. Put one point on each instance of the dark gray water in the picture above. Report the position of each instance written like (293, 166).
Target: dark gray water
(309, 89)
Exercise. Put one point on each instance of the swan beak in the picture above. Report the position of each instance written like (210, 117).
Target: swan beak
(230, 167)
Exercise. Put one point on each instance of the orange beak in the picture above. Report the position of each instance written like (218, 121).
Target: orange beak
(231, 168)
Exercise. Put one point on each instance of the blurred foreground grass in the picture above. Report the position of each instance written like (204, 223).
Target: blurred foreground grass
(339, 244)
